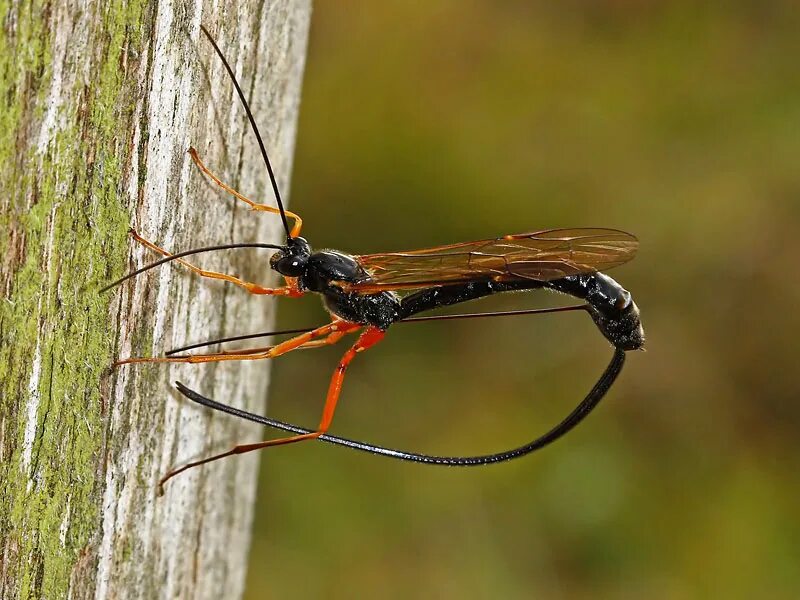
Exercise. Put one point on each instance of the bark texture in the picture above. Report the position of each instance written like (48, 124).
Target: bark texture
(101, 100)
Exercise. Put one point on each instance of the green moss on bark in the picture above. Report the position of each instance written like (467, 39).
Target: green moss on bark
(63, 208)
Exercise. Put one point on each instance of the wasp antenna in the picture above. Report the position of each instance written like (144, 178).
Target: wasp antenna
(172, 257)
(253, 126)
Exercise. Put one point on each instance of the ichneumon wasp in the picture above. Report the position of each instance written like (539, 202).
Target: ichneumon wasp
(372, 292)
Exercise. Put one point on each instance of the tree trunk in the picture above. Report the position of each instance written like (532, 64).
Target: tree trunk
(101, 101)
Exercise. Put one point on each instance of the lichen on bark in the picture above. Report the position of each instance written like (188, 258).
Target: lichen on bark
(87, 149)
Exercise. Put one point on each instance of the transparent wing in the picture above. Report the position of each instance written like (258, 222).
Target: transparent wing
(540, 256)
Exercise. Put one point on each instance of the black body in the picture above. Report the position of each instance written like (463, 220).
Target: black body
(610, 305)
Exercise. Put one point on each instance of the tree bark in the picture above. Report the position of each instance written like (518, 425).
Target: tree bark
(101, 101)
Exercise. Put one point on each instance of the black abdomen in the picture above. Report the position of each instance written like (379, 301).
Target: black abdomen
(611, 306)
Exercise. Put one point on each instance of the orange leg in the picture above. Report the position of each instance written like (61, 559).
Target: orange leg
(328, 341)
(253, 288)
(298, 222)
(336, 327)
(370, 337)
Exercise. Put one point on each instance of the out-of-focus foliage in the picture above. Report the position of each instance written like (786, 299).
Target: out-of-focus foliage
(431, 122)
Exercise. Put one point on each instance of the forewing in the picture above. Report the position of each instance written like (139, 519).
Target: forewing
(539, 256)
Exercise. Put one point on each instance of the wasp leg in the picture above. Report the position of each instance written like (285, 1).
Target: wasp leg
(328, 341)
(253, 288)
(370, 337)
(298, 222)
(294, 343)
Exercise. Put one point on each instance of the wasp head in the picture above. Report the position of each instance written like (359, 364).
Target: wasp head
(291, 261)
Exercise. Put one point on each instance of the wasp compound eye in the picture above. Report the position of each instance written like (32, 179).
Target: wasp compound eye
(289, 265)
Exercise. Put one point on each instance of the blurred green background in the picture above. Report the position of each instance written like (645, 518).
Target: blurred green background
(425, 123)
